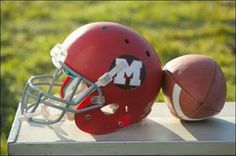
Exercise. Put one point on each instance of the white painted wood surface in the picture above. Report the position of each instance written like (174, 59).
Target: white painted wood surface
(160, 133)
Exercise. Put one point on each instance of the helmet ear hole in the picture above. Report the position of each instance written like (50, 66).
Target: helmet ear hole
(110, 109)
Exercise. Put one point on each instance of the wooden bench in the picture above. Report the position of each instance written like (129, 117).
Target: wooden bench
(160, 133)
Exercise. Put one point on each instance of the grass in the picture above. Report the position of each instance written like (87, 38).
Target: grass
(30, 29)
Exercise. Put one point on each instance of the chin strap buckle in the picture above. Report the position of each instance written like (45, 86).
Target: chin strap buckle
(108, 76)
(104, 80)
(100, 100)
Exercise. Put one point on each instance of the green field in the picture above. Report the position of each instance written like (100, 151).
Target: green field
(30, 29)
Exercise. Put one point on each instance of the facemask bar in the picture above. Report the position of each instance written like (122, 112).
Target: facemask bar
(32, 91)
(28, 84)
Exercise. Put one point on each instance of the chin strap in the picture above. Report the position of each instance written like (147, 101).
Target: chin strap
(43, 111)
(108, 76)
(29, 115)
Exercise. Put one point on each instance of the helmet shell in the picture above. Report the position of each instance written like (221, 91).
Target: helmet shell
(92, 51)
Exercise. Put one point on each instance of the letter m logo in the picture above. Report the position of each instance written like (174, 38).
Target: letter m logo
(132, 75)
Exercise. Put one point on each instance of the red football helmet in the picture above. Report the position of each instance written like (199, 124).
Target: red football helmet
(107, 64)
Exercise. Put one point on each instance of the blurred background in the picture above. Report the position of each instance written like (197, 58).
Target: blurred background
(30, 29)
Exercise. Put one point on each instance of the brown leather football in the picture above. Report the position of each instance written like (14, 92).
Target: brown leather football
(194, 87)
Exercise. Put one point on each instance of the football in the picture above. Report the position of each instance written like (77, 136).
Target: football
(194, 87)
